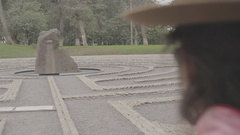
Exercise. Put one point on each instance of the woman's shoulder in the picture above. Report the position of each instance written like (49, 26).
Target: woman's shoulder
(219, 120)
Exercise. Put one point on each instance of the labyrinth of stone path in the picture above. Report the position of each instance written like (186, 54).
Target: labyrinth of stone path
(133, 95)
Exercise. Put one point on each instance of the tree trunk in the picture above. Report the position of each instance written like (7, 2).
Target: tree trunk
(136, 35)
(4, 25)
(82, 29)
(61, 23)
(145, 40)
(14, 38)
(77, 40)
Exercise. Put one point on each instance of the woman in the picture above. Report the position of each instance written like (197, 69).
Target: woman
(208, 32)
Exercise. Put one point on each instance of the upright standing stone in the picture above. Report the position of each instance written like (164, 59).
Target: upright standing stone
(51, 60)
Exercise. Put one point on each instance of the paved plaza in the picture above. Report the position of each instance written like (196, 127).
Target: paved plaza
(132, 95)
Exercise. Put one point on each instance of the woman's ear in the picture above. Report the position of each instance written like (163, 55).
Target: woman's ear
(187, 67)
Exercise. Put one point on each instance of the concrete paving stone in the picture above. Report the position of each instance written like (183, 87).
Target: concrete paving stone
(93, 115)
(99, 119)
(169, 112)
(6, 109)
(2, 91)
(2, 125)
(71, 85)
(35, 108)
(33, 92)
(31, 123)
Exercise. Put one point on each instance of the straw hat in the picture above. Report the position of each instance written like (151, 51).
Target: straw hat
(183, 12)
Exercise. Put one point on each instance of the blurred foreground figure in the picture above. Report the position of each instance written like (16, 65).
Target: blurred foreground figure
(208, 32)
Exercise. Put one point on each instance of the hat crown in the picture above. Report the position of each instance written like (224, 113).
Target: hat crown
(181, 2)
(186, 12)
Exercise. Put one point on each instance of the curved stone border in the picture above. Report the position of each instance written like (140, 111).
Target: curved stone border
(134, 77)
(180, 129)
(126, 60)
(163, 66)
(108, 73)
(122, 93)
(29, 74)
(150, 68)
(4, 86)
(133, 86)
(93, 86)
(66, 121)
(125, 107)
(97, 61)
(156, 79)
(12, 91)
(6, 80)
(2, 125)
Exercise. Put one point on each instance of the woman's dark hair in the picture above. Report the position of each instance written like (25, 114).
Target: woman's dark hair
(215, 50)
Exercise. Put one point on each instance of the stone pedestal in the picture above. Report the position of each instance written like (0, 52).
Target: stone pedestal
(51, 60)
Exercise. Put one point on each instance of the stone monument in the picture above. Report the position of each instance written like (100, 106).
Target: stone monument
(51, 60)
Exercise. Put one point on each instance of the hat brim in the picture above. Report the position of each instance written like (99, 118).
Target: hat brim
(190, 13)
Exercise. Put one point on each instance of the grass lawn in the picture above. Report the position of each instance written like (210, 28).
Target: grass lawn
(24, 51)
(16, 51)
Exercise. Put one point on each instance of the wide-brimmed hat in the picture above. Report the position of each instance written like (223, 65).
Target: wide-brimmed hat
(184, 12)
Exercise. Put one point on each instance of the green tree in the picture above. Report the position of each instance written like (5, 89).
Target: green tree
(60, 7)
(26, 21)
(79, 21)
(4, 25)
(156, 35)
(80, 16)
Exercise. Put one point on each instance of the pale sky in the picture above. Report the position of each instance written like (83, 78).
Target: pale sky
(164, 2)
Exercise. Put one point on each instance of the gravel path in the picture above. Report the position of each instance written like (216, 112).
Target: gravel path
(134, 95)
